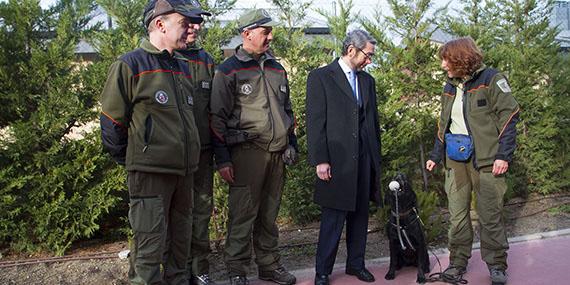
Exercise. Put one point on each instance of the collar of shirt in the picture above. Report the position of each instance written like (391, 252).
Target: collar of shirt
(346, 69)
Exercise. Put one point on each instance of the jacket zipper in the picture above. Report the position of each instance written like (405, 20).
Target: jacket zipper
(271, 119)
(465, 93)
(147, 132)
(179, 102)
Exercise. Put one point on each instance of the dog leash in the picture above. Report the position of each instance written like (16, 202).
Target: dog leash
(446, 278)
(441, 276)
(401, 230)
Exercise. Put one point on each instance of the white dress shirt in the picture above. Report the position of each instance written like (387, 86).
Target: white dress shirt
(347, 70)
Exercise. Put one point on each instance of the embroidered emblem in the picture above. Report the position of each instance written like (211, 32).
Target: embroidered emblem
(504, 85)
(265, 13)
(190, 100)
(161, 97)
(205, 85)
(246, 89)
(283, 88)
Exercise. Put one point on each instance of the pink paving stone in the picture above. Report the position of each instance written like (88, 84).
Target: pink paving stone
(533, 262)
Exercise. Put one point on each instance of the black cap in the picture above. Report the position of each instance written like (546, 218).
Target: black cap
(196, 8)
(187, 8)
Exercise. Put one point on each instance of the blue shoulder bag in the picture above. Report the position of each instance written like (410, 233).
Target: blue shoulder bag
(458, 147)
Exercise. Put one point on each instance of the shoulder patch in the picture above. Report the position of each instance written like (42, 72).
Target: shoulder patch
(504, 85)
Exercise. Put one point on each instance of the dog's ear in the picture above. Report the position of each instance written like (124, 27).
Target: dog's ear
(406, 185)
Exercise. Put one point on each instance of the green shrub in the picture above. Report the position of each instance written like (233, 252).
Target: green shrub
(218, 222)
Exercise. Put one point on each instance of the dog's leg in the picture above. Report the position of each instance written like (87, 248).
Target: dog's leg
(423, 260)
(420, 255)
(391, 274)
(394, 258)
(421, 275)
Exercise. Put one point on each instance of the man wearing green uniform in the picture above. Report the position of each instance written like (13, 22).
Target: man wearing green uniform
(147, 123)
(253, 124)
(201, 66)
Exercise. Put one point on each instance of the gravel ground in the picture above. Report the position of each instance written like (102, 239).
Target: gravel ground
(99, 264)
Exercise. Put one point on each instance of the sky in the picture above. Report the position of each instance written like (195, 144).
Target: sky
(365, 7)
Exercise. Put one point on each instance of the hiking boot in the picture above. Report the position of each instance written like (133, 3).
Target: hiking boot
(238, 280)
(498, 276)
(453, 273)
(279, 276)
(203, 279)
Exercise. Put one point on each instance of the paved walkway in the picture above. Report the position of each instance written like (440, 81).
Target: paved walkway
(534, 259)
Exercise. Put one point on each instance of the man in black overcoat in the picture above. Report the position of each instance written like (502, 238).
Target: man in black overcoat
(344, 146)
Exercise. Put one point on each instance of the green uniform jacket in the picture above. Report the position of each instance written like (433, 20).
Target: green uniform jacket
(147, 119)
(491, 113)
(252, 97)
(202, 70)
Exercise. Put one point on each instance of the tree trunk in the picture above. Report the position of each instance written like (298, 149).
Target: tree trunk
(422, 166)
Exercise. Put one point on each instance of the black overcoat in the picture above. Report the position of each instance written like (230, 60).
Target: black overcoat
(333, 134)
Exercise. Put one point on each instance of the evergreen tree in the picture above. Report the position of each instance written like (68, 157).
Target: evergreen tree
(409, 82)
(126, 31)
(521, 43)
(338, 24)
(216, 34)
(54, 180)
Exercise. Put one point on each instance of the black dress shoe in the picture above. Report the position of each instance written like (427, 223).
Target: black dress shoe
(362, 274)
(321, 279)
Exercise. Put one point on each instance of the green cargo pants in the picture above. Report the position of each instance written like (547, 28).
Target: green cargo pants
(201, 213)
(462, 178)
(254, 200)
(160, 217)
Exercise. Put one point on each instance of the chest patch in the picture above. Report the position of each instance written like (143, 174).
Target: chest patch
(283, 88)
(190, 100)
(161, 97)
(246, 89)
(205, 85)
(504, 85)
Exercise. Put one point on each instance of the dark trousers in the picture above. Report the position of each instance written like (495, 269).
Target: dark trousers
(160, 216)
(254, 200)
(201, 213)
(332, 223)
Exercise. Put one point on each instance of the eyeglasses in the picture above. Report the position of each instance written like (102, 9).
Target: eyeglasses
(368, 56)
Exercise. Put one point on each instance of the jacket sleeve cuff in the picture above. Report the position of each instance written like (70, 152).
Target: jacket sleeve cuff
(293, 142)
(435, 158)
(223, 164)
(502, 157)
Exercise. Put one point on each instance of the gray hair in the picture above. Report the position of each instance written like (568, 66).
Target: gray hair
(357, 38)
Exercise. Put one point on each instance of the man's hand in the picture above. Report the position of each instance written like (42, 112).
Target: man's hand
(324, 171)
(500, 167)
(290, 156)
(227, 173)
(430, 165)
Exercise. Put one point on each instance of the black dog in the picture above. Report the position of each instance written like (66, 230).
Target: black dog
(404, 230)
